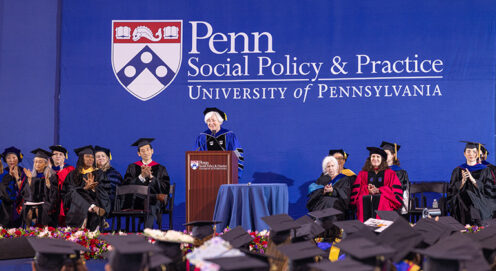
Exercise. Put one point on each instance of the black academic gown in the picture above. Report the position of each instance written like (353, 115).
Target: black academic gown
(405, 185)
(15, 196)
(38, 191)
(468, 204)
(112, 178)
(159, 184)
(7, 199)
(77, 200)
(338, 199)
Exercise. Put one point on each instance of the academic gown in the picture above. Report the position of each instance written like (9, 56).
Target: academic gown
(16, 195)
(62, 175)
(338, 199)
(77, 200)
(7, 199)
(112, 178)
(389, 199)
(469, 205)
(490, 187)
(159, 184)
(223, 140)
(405, 185)
(39, 192)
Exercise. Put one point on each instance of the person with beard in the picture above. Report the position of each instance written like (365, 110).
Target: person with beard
(332, 189)
(149, 173)
(466, 200)
(393, 162)
(111, 177)
(86, 197)
(40, 194)
(377, 187)
(59, 155)
(13, 183)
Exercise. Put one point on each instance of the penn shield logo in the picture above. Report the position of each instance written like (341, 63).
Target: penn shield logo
(195, 165)
(146, 55)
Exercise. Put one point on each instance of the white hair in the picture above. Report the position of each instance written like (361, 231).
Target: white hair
(327, 160)
(217, 115)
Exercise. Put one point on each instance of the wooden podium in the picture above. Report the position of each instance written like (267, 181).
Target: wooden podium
(206, 171)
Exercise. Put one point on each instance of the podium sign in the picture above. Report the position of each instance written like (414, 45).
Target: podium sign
(206, 171)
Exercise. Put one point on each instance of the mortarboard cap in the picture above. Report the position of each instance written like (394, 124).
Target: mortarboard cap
(387, 215)
(280, 227)
(301, 252)
(325, 217)
(84, 150)
(454, 251)
(41, 153)
(13, 150)
(379, 151)
(59, 148)
(352, 226)
(202, 228)
(308, 231)
(362, 248)
(128, 251)
(240, 263)
(473, 145)
(451, 222)
(304, 220)
(215, 109)
(432, 230)
(157, 260)
(142, 142)
(237, 237)
(52, 254)
(346, 264)
(103, 149)
(341, 151)
(390, 146)
(400, 236)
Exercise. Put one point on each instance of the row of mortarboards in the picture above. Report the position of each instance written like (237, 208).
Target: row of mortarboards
(440, 241)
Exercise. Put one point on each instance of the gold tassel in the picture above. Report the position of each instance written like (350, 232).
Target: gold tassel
(110, 156)
(345, 156)
(395, 151)
(66, 156)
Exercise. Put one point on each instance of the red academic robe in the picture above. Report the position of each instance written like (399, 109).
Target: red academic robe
(391, 192)
(62, 174)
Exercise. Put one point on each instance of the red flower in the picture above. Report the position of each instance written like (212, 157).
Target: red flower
(51, 229)
(18, 232)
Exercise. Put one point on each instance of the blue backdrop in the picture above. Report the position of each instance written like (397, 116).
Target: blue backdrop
(446, 94)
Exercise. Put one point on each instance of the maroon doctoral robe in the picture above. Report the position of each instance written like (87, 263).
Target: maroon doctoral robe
(391, 194)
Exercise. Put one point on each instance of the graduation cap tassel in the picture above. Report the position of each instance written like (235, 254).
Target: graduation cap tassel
(345, 155)
(66, 156)
(395, 151)
(110, 156)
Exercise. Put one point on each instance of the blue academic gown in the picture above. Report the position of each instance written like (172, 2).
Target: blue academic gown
(224, 139)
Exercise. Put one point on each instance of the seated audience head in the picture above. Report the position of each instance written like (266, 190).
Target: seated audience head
(12, 156)
(391, 150)
(214, 118)
(330, 166)
(341, 156)
(86, 157)
(484, 153)
(145, 149)
(102, 157)
(59, 155)
(376, 160)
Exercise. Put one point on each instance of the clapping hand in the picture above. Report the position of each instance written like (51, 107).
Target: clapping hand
(373, 190)
(29, 175)
(90, 182)
(14, 172)
(146, 171)
(328, 189)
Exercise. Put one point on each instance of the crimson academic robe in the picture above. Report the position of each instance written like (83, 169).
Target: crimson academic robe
(159, 184)
(390, 197)
(62, 175)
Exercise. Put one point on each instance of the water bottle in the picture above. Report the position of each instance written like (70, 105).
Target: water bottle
(434, 204)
